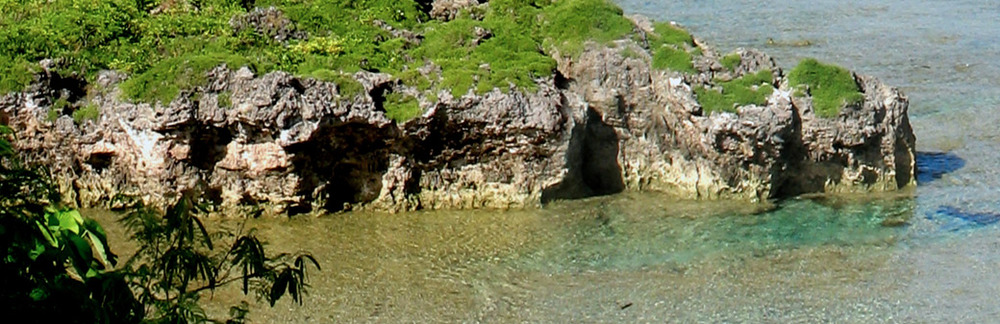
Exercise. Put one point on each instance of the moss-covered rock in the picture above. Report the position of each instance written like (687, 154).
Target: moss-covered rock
(728, 95)
(832, 87)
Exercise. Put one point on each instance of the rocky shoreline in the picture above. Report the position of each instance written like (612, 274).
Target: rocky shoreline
(606, 122)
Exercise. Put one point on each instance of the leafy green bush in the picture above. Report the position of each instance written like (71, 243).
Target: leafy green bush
(726, 96)
(225, 100)
(831, 86)
(501, 54)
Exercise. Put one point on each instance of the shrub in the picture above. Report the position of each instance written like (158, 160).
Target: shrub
(726, 96)
(494, 53)
(831, 86)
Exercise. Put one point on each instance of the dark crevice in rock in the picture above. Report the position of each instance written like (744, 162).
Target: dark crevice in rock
(212, 194)
(561, 81)
(99, 161)
(69, 88)
(378, 93)
(787, 180)
(341, 164)
(425, 6)
(208, 146)
(592, 161)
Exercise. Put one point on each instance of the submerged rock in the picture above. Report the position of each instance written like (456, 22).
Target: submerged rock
(605, 123)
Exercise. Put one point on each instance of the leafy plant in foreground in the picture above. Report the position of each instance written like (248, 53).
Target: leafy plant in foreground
(57, 265)
(179, 258)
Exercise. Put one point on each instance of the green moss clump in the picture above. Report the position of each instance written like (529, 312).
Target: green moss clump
(88, 112)
(164, 81)
(746, 90)
(347, 86)
(481, 55)
(15, 75)
(569, 24)
(670, 58)
(507, 45)
(731, 61)
(401, 108)
(673, 48)
(669, 34)
(224, 100)
(57, 109)
(831, 86)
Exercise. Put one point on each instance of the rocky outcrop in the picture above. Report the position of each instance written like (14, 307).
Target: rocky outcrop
(605, 123)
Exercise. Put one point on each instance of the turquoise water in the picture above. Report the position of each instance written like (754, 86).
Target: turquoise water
(926, 255)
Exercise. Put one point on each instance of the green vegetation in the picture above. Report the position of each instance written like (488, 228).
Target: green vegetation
(726, 96)
(731, 61)
(57, 109)
(567, 25)
(346, 85)
(168, 45)
(673, 48)
(670, 58)
(88, 112)
(57, 266)
(672, 35)
(831, 86)
(401, 107)
(164, 81)
(224, 99)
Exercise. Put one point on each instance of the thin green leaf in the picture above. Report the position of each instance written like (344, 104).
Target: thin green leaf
(47, 234)
(204, 233)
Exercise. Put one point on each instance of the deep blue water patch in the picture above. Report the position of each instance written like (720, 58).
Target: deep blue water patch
(933, 165)
(963, 219)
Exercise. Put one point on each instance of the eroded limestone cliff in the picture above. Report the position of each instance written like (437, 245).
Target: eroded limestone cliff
(605, 123)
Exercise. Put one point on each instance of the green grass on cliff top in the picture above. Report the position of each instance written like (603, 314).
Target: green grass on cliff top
(832, 87)
(167, 45)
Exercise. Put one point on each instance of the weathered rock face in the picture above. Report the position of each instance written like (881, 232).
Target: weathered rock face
(782, 149)
(607, 122)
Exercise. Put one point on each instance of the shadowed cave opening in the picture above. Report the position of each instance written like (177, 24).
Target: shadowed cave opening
(209, 145)
(340, 165)
(592, 161)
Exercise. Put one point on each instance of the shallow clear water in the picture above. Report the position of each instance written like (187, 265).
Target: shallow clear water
(927, 255)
